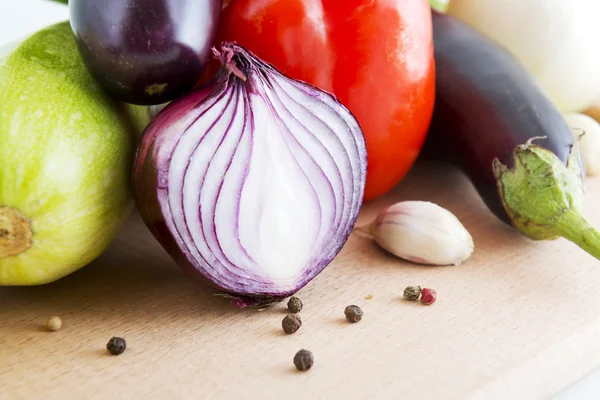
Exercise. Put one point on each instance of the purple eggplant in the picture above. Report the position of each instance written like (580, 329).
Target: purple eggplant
(495, 121)
(145, 52)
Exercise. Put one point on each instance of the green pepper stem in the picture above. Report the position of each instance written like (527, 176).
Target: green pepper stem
(574, 227)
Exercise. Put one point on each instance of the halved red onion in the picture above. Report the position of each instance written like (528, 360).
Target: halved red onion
(253, 181)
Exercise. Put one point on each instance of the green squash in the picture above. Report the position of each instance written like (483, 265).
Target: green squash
(65, 159)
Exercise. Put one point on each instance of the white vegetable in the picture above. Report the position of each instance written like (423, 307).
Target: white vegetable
(590, 141)
(556, 40)
(422, 232)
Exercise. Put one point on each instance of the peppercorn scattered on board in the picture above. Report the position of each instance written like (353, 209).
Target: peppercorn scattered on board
(518, 320)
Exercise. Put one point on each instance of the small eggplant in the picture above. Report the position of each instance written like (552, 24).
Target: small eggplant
(499, 126)
(145, 52)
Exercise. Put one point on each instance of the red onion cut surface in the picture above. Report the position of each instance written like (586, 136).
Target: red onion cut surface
(253, 181)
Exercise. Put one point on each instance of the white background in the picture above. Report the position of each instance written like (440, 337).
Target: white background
(19, 18)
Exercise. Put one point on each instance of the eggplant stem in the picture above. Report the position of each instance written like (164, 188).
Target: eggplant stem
(575, 227)
(529, 141)
(545, 199)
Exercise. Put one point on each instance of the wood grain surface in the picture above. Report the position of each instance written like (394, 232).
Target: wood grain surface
(519, 320)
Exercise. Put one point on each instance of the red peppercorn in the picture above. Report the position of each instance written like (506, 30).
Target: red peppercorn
(428, 296)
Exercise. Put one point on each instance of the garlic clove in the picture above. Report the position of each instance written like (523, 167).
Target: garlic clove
(422, 232)
(589, 142)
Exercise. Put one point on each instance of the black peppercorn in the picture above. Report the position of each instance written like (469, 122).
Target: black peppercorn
(412, 293)
(291, 323)
(294, 305)
(303, 360)
(353, 313)
(116, 345)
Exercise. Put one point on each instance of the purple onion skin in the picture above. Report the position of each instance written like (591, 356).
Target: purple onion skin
(146, 178)
(150, 177)
(145, 52)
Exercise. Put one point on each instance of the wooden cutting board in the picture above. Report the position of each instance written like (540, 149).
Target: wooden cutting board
(519, 320)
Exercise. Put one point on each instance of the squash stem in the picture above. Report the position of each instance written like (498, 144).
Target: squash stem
(15, 232)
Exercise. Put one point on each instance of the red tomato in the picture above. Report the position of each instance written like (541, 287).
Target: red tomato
(375, 56)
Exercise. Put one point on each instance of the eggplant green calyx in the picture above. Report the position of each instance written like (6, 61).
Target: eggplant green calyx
(544, 198)
(15, 232)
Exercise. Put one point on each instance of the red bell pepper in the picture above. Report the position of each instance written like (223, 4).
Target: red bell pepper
(375, 56)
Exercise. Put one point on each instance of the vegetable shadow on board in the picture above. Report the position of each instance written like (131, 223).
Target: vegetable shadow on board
(136, 270)
(132, 272)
